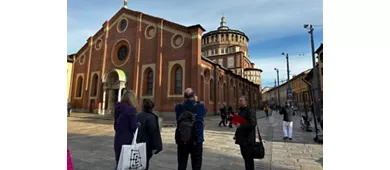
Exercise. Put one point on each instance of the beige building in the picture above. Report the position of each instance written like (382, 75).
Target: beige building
(300, 93)
(299, 84)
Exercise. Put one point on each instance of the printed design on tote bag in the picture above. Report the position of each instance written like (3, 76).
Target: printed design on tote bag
(135, 159)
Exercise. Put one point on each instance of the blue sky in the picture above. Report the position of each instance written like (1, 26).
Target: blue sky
(273, 26)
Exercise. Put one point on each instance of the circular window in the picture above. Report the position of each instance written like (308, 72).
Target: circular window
(177, 41)
(150, 32)
(122, 53)
(122, 25)
(98, 44)
(82, 59)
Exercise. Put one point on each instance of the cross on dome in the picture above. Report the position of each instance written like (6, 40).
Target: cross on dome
(223, 25)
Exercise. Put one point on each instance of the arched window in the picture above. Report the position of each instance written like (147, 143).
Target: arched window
(211, 89)
(148, 82)
(95, 80)
(149, 85)
(177, 79)
(79, 88)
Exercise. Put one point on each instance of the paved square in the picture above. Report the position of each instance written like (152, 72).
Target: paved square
(91, 144)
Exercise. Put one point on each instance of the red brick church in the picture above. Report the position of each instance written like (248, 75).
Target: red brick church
(156, 59)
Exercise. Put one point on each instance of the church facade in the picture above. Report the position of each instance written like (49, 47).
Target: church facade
(155, 58)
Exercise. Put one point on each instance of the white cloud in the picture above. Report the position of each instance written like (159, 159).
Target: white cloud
(261, 20)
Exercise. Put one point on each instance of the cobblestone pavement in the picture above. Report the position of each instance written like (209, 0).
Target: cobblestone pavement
(91, 144)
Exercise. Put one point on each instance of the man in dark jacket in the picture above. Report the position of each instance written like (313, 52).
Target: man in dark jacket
(245, 133)
(287, 122)
(196, 147)
(149, 131)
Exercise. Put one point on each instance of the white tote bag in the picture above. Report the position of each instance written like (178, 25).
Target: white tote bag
(133, 156)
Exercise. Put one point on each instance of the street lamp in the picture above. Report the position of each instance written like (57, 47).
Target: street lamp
(277, 73)
(288, 78)
(315, 80)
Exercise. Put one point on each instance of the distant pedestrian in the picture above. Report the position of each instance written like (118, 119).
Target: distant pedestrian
(149, 131)
(266, 110)
(125, 122)
(245, 133)
(287, 122)
(223, 113)
(189, 135)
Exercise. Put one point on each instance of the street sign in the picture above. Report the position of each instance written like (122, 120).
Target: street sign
(289, 91)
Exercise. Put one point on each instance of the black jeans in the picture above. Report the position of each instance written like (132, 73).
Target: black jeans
(246, 152)
(196, 151)
(223, 121)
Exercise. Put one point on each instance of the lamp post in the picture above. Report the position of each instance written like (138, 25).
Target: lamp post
(316, 113)
(277, 73)
(288, 78)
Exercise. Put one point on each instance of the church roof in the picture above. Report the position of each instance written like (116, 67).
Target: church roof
(223, 28)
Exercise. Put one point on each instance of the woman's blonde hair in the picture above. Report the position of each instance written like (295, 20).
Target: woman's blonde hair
(130, 98)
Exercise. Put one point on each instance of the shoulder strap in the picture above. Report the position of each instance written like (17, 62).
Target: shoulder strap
(258, 134)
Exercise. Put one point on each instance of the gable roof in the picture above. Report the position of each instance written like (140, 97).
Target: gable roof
(136, 15)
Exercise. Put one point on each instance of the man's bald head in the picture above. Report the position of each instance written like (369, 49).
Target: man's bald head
(189, 93)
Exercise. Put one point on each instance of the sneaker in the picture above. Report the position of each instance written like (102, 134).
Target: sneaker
(290, 138)
(284, 138)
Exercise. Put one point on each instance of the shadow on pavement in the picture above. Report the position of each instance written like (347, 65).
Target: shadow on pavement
(96, 152)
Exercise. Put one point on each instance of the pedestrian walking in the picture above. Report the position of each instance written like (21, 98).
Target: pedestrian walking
(287, 122)
(266, 110)
(245, 133)
(223, 113)
(190, 130)
(149, 131)
(125, 122)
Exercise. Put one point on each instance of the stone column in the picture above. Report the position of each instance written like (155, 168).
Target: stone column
(104, 102)
(120, 94)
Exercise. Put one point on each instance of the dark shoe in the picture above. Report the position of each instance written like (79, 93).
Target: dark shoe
(290, 138)
(284, 138)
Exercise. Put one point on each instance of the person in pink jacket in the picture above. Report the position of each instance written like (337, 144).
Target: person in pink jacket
(70, 165)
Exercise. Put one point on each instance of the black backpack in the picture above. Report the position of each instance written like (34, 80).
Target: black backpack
(186, 131)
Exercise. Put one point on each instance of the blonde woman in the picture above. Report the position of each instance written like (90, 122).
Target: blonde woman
(125, 122)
